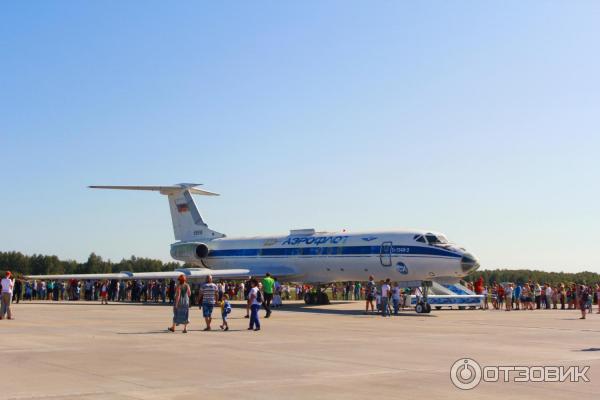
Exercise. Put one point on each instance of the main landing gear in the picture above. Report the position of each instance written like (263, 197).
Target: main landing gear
(423, 307)
(316, 297)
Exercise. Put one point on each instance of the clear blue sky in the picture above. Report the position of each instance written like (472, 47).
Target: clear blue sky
(475, 118)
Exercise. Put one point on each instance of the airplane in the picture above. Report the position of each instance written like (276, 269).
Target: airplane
(413, 257)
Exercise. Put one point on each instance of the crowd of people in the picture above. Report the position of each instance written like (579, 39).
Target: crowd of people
(155, 291)
(532, 295)
(385, 297)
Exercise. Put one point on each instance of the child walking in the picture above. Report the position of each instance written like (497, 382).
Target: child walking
(225, 310)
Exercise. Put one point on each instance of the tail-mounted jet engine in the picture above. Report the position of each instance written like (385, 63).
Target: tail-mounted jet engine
(189, 252)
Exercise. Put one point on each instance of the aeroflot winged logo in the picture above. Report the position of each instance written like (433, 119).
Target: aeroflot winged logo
(369, 238)
(315, 240)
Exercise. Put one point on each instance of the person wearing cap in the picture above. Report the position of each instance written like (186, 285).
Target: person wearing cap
(7, 292)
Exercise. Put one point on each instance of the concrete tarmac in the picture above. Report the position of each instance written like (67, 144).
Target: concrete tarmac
(84, 350)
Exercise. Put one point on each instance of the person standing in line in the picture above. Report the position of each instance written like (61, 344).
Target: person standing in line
(537, 293)
(548, 296)
(6, 296)
(241, 290)
(517, 296)
(220, 291)
(371, 292)
(268, 283)
(277, 294)
(28, 291)
(561, 295)
(171, 291)
(208, 296)
(386, 292)
(17, 291)
(181, 304)
(598, 297)
(104, 293)
(508, 293)
(254, 301)
(247, 289)
(500, 296)
(356, 291)
(583, 299)
(396, 297)
(577, 295)
(485, 304)
(122, 291)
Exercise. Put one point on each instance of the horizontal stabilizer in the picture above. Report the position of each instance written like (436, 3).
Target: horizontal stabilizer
(191, 187)
(188, 224)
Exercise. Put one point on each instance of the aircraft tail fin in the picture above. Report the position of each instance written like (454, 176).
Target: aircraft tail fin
(188, 224)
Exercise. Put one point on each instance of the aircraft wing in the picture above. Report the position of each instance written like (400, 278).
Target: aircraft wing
(190, 273)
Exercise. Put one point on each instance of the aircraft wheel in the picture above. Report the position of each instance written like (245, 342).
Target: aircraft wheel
(322, 298)
(309, 298)
(419, 308)
(427, 308)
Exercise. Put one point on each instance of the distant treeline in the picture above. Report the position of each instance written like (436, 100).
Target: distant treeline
(524, 275)
(38, 264)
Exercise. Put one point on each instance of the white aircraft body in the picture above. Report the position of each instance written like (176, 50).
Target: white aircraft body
(302, 256)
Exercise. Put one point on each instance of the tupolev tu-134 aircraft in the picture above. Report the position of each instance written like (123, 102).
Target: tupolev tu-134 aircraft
(304, 255)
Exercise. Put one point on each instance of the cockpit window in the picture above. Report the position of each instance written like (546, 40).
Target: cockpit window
(433, 239)
(420, 238)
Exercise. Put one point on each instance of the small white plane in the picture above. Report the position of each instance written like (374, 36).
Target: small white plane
(414, 257)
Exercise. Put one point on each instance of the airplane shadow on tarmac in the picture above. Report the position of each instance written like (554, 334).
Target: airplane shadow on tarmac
(293, 307)
(304, 308)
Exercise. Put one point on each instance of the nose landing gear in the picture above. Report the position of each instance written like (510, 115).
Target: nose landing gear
(423, 307)
(316, 297)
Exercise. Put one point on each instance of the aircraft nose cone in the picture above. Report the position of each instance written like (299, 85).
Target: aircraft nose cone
(468, 263)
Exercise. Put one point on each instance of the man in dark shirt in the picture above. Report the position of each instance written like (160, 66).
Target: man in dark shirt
(17, 290)
(370, 293)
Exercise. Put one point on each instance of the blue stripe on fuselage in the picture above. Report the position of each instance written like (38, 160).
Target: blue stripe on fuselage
(331, 251)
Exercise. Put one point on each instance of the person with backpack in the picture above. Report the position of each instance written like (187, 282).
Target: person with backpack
(254, 301)
(225, 311)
